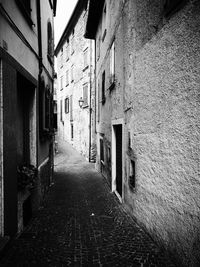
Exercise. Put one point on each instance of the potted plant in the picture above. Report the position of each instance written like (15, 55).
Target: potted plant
(26, 176)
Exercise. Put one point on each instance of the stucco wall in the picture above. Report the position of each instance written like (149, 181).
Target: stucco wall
(16, 48)
(157, 95)
(165, 128)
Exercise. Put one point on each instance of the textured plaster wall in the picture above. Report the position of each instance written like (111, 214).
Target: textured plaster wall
(157, 94)
(112, 109)
(162, 89)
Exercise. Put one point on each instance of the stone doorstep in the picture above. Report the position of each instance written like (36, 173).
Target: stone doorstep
(4, 241)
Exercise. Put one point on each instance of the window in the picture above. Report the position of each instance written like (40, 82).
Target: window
(98, 47)
(171, 6)
(72, 43)
(45, 107)
(112, 63)
(132, 175)
(71, 108)
(25, 7)
(61, 83)
(109, 156)
(103, 97)
(85, 94)
(61, 111)
(72, 131)
(72, 73)
(104, 23)
(85, 58)
(61, 58)
(50, 43)
(67, 77)
(67, 51)
(129, 140)
(66, 105)
(101, 154)
(99, 101)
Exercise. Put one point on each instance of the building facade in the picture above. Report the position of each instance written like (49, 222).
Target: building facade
(147, 117)
(75, 93)
(26, 93)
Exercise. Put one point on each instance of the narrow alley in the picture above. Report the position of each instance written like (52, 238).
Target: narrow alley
(81, 223)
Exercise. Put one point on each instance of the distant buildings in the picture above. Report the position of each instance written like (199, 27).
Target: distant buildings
(75, 93)
(147, 114)
(26, 97)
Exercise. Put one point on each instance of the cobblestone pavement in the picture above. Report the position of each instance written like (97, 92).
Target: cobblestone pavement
(82, 224)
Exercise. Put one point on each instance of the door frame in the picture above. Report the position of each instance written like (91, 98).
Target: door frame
(114, 187)
(1, 153)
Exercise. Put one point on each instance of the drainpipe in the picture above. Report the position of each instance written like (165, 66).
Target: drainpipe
(90, 105)
(40, 72)
(92, 83)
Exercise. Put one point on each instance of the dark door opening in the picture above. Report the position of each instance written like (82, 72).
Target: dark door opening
(118, 132)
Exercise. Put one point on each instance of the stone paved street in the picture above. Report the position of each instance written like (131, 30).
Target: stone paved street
(82, 224)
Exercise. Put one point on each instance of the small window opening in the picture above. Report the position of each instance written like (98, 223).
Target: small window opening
(132, 175)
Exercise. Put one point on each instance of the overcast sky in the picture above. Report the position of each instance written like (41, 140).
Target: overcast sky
(63, 14)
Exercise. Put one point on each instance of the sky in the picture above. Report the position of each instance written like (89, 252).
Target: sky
(63, 14)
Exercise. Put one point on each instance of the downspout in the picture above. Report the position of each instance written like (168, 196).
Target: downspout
(95, 93)
(92, 126)
(90, 105)
(39, 74)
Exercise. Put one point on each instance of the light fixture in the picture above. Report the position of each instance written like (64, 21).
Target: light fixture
(81, 101)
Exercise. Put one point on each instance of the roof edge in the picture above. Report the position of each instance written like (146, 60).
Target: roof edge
(74, 16)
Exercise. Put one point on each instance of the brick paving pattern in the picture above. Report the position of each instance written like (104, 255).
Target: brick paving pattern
(81, 223)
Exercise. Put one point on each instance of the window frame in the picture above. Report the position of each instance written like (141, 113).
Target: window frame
(61, 110)
(45, 108)
(72, 42)
(67, 51)
(25, 10)
(67, 77)
(103, 84)
(72, 73)
(104, 22)
(112, 63)
(61, 58)
(49, 42)
(61, 83)
(66, 105)
(85, 59)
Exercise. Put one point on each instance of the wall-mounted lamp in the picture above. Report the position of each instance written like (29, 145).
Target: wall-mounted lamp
(81, 101)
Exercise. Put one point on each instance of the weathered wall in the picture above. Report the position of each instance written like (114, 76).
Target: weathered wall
(16, 47)
(157, 94)
(19, 57)
(9, 150)
(162, 73)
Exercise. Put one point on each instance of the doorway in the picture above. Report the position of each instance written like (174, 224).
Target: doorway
(117, 159)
